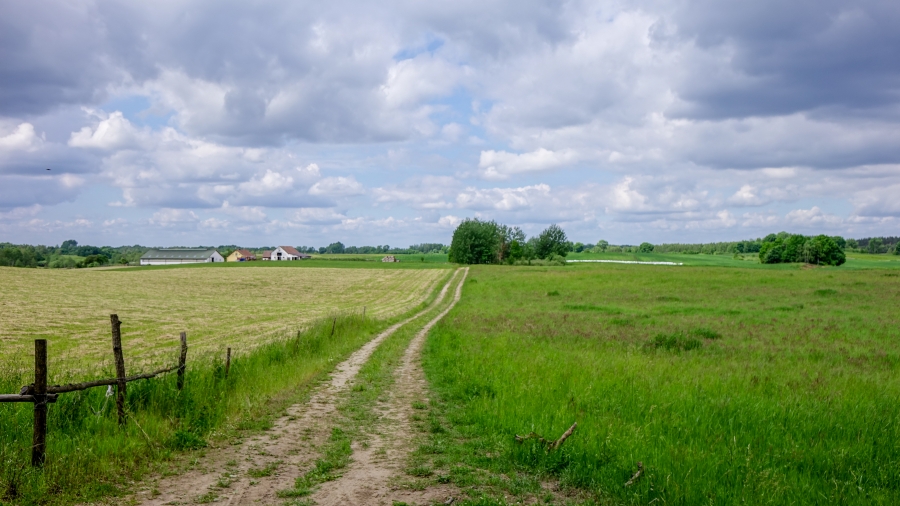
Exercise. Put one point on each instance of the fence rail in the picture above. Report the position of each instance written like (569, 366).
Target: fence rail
(40, 394)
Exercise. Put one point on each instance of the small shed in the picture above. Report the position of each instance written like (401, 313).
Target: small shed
(267, 255)
(390, 258)
(168, 256)
(240, 255)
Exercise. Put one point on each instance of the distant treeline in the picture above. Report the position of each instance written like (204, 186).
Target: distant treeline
(873, 245)
(338, 248)
(67, 255)
(70, 254)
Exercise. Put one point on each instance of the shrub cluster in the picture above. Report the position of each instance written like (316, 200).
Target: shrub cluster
(488, 242)
(796, 248)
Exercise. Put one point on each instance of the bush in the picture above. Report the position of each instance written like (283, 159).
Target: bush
(787, 248)
(552, 241)
(475, 242)
(646, 247)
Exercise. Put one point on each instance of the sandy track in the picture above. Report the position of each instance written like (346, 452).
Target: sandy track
(367, 480)
(286, 450)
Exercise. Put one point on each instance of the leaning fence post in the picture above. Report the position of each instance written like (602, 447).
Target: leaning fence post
(39, 441)
(182, 360)
(364, 312)
(333, 323)
(120, 366)
(227, 362)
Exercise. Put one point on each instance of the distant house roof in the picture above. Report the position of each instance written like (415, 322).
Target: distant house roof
(267, 254)
(178, 253)
(246, 253)
(290, 250)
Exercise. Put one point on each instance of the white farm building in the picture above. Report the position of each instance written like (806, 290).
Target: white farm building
(168, 256)
(287, 253)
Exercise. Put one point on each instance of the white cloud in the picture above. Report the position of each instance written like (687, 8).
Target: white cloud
(318, 216)
(269, 183)
(813, 217)
(23, 138)
(502, 199)
(746, 196)
(112, 133)
(502, 165)
(173, 217)
(337, 187)
(449, 221)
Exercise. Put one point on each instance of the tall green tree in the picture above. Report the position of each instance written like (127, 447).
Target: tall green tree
(552, 241)
(476, 242)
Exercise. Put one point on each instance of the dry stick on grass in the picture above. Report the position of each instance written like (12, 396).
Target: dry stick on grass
(637, 475)
(550, 445)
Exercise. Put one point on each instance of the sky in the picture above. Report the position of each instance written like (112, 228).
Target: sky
(303, 123)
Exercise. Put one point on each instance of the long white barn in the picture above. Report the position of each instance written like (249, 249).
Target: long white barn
(168, 256)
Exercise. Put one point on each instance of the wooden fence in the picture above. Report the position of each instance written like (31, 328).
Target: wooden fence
(40, 394)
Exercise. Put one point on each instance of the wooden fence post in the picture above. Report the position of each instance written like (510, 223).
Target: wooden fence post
(120, 366)
(333, 323)
(364, 312)
(227, 362)
(182, 360)
(39, 441)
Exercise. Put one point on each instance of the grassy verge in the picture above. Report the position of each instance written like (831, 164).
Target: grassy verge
(730, 386)
(90, 457)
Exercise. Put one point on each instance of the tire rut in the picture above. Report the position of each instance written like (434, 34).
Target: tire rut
(252, 471)
(368, 479)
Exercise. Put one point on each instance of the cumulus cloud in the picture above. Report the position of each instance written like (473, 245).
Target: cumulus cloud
(502, 165)
(23, 138)
(112, 132)
(337, 187)
(428, 192)
(636, 117)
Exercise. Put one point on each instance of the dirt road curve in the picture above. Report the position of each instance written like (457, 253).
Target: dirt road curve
(253, 471)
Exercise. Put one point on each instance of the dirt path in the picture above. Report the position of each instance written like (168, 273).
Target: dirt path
(252, 471)
(367, 480)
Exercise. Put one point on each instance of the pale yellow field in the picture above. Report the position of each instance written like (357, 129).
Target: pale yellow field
(217, 307)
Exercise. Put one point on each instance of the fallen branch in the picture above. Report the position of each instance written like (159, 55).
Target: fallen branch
(74, 387)
(562, 439)
(549, 445)
(636, 476)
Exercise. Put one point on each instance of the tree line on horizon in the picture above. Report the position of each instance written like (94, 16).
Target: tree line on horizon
(70, 254)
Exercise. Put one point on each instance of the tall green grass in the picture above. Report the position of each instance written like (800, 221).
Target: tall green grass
(89, 456)
(731, 386)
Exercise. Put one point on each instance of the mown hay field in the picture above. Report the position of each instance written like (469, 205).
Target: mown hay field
(218, 307)
(729, 385)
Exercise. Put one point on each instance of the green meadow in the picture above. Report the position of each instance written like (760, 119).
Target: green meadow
(736, 385)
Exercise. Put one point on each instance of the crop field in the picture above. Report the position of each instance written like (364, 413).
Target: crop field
(728, 385)
(238, 306)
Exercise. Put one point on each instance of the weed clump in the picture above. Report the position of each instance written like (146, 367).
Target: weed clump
(553, 293)
(677, 341)
(706, 333)
(186, 440)
(827, 292)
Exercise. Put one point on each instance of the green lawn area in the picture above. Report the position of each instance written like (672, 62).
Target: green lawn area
(758, 385)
